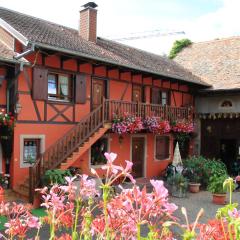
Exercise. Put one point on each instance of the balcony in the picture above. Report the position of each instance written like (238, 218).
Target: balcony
(145, 110)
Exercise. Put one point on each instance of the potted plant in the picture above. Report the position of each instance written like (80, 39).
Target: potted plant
(217, 189)
(178, 185)
(193, 171)
(194, 183)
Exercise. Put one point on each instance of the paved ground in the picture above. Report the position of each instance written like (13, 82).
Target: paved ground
(195, 201)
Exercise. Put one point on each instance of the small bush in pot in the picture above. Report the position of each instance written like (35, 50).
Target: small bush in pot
(217, 189)
(193, 171)
(178, 185)
(213, 167)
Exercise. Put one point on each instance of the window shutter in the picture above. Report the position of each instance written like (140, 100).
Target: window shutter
(155, 96)
(80, 89)
(40, 83)
(162, 147)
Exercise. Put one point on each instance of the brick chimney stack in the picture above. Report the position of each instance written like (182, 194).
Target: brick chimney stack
(88, 22)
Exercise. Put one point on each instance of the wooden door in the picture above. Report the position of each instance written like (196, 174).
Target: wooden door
(98, 92)
(137, 93)
(138, 156)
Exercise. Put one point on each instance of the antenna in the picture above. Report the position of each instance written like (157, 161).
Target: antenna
(147, 34)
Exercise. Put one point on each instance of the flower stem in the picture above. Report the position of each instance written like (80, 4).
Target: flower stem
(138, 231)
(74, 232)
(106, 191)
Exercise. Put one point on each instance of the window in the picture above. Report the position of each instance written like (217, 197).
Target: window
(59, 87)
(31, 150)
(162, 147)
(226, 104)
(97, 151)
(159, 96)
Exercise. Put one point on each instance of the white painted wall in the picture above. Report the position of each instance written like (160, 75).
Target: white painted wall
(213, 104)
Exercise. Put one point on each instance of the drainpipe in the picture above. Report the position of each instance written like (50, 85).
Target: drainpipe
(28, 51)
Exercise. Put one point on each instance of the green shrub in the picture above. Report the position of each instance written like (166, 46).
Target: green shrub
(198, 168)
(194, 169)
(216, 184)
(56, 176)
(178, 45)
(178, 180)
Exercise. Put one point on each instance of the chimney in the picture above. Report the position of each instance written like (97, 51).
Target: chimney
(88, 22)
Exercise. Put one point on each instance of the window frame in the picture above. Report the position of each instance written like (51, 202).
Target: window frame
(166, 156)
(38, 145)
(58, 96)
(160, 91)
(23, 138)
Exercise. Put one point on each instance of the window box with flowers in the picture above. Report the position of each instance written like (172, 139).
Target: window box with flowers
(156, 125)
(182, 131)
(127, 124)
(6, 135)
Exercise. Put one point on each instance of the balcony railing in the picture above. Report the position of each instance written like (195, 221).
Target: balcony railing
(119, 108)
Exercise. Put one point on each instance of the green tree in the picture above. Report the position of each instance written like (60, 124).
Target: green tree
(177, 47)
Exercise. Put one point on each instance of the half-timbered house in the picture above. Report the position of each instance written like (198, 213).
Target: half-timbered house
(68, 84)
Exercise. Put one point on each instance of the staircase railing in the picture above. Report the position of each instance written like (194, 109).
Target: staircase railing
(64, 147)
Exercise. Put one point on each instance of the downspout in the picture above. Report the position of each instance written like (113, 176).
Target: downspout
(28, 51)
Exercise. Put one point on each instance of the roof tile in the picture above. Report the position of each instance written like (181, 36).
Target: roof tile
(40, 31)
(217, 62)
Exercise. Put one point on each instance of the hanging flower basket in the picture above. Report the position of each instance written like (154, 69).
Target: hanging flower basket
(182, 131)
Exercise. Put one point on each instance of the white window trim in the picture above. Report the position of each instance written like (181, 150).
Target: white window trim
(145, 152)
(108, 149)
(169, 149)
(22, 138)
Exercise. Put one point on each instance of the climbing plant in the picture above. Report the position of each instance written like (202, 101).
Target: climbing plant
(177, 47)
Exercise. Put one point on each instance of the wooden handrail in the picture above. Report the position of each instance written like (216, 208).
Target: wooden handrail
(170, 113)
(89, 124)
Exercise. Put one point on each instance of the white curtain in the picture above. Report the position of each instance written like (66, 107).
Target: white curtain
(63, 81)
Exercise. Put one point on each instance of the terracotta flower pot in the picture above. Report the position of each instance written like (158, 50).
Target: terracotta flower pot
(194, 187)
(219, 199)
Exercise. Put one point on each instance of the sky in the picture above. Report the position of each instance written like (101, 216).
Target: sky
(201, 20)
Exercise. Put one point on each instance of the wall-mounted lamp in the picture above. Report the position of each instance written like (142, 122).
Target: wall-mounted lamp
(120, 139)
(18, 108)
(1, 79)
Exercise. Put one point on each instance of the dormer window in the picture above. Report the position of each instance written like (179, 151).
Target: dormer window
(59, 87)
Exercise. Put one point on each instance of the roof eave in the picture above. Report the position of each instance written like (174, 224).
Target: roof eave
(14, 32)
(76, 53)
(8, 60)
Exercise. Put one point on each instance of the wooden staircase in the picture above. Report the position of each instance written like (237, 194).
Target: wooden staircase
(65, 151)
(85, 146)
